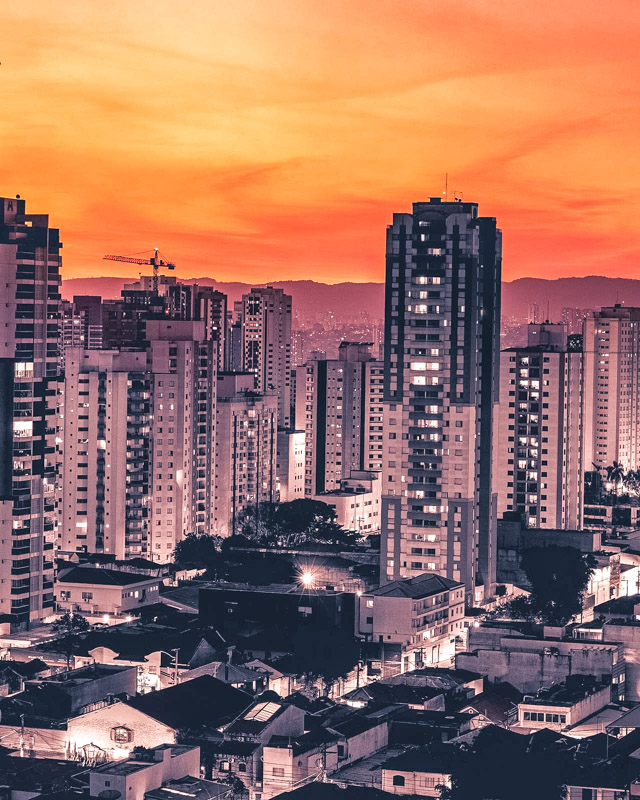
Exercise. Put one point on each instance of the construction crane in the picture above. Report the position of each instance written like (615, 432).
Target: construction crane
(155, 261)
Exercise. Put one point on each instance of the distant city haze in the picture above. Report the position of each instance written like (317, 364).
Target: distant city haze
(248, 140)
(349, 300)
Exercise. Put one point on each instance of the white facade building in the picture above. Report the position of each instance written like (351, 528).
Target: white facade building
(611, 343)
(30, 390)
(339, 406)
(539, 465)
(246, 429)
(266, 345)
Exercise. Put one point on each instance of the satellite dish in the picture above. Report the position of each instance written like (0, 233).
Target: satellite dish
(110, 794)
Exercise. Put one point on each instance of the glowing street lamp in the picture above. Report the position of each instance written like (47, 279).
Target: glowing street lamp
(306, 579)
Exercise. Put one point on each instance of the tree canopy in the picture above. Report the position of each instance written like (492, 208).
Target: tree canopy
(558, 577)
(324, 654)
(293, 523)
(69, 628)
(198, 549)
(499, 767)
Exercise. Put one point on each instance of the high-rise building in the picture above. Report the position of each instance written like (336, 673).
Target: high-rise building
(611, 344)
(89, 309)
(139, 439)
(182, 363)
(442, 313)
(266, 345)
(246, 429)
(105, 506)
(211, 308)
(30, 392)
(538, 456)
(290, 465)
(339, 406)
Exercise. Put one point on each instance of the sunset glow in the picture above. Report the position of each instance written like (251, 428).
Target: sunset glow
(269, 140)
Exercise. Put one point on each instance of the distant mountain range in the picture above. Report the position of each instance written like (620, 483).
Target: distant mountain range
(348, 300)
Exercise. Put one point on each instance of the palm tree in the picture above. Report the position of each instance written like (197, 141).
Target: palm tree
(615, 476)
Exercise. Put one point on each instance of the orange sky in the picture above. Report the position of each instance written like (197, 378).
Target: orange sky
(272, 139)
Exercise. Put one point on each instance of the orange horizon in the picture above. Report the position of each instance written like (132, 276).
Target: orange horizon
(250, 139)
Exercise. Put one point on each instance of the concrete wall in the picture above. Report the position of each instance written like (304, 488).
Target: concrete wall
(96, 729)
(581, 709)
(415, 783)
(366, 743)
(629, 638)
(294, 768)
(92, 688)
(532, 664)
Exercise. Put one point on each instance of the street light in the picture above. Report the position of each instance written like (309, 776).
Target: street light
(307, 579)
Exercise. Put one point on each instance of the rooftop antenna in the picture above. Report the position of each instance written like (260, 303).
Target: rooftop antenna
(446, 186)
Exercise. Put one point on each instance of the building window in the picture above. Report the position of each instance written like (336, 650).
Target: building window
(398, 780)
(242, 767)
(121, 735)
(225, 766)
(278, 772)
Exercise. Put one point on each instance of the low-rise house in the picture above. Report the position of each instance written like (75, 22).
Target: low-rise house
(239, 754)
(150, 648)
(97, 591)
(360, 734)
(624, 631)
(144, 771)
(35, 721)
(198, 706)
(333, 571)
(289, 761)
(530, 661)
(282, 683)
(411, 727)
(417, 697)
(191, 788)
(14, 674)
(453, 682)
(562, 706)
(357, 503)
(238, 676)
(26, 778)
(419, 773)
(498, 705)
(423, 615)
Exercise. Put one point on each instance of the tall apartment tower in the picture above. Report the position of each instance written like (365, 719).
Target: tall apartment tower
(442, 313)
(266, 345)
(182, 363)
(210, 306)
(339, 407)
(30, 394)
(246, 440)
(107, 453)
(139, 441)
(611, 344)
(539, 470)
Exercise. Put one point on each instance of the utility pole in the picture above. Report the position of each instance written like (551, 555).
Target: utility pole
(175, 652)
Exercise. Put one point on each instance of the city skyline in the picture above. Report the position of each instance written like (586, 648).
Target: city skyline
(267, 141)
(320, 400)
